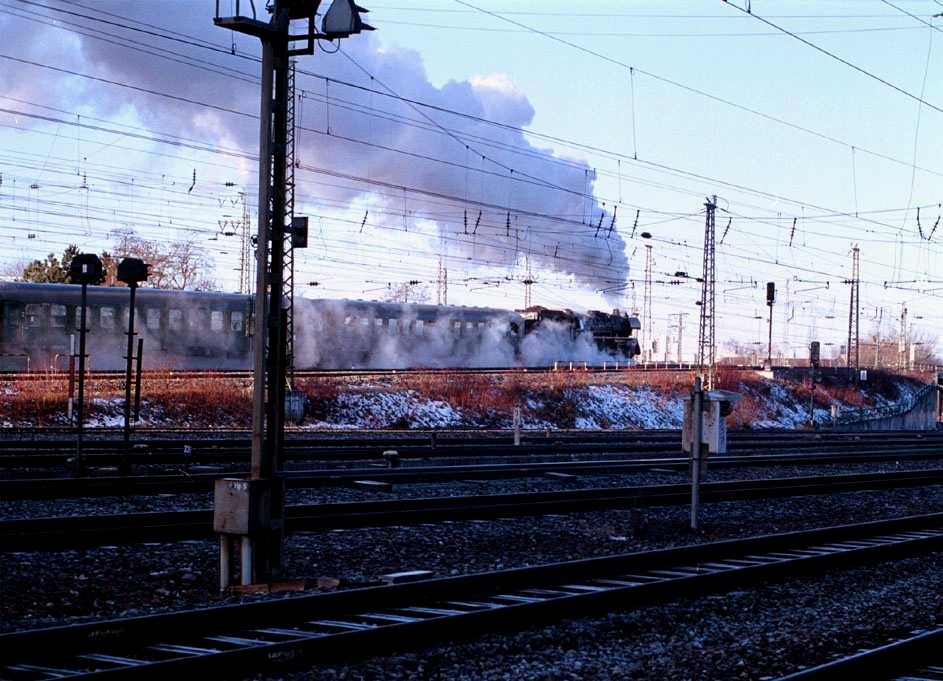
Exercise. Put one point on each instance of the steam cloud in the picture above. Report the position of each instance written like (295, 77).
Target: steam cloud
(336, 334)
(542, 183)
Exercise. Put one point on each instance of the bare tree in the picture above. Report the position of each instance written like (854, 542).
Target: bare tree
(883, 351)
(407, 292)
(177, 265)
(13, 270)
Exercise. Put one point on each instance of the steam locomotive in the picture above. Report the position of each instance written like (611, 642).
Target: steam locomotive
(204, 330)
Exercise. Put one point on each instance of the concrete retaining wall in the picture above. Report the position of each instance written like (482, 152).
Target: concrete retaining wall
(922, 415)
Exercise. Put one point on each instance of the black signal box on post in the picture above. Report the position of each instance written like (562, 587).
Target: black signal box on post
(814, 358)
(86, 268)
(770, 292)
(133, 271)
(299, 232)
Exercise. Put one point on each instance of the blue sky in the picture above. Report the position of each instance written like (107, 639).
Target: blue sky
(634, 107)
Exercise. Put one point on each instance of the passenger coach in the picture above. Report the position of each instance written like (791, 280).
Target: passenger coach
(181, 329)
(208, 330)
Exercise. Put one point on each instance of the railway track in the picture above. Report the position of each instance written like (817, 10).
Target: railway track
(46, 453)
(202, 482)
(917, 658)
(112, 434)
(83, 531)
(563, 365)
(613, 366)
(358, 623)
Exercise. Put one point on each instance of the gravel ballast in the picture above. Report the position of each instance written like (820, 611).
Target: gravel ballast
(755, 633)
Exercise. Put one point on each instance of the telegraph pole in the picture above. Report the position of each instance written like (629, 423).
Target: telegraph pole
(528, 284)
(770, 299)
(680, 331)
(902, 337)
(258, 505)
(647, 305)
(442, 284)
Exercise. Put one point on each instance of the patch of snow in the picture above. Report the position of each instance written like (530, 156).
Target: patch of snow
(625, 408)
(378, 409)
(105, 413)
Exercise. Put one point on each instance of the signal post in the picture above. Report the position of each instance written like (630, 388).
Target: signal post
(252, 511)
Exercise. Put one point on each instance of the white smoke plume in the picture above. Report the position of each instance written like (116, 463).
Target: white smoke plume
(509, 204)
(552, 342)
(337, 334)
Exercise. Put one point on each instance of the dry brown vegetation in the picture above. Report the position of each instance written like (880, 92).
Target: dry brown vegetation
(747, 411)
(42, 400)
(475, 393)
(321, 394)
(488, 399)
(209, 399)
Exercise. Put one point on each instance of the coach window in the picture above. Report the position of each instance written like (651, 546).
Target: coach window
(481, 325)
(175, 320)
(378, 321)
(57, 315)
(152, 318)
(106, 318)
(236, 321)
(216, 320)
(364, 321)
(197, 319)
(392, 325)
(419, 324)
(469, 325)
(33, 314)
(457, 328)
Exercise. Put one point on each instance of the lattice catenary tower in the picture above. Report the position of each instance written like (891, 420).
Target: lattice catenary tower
(706, 337)
(854, 311)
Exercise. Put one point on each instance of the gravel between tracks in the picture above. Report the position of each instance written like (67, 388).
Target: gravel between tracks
(756, 633)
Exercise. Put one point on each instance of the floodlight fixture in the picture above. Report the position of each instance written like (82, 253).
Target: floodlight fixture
(343, 19)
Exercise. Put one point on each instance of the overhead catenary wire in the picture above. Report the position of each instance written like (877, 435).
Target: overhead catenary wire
(866, 151)
(221, 49)
(842, 60)
(334, 93)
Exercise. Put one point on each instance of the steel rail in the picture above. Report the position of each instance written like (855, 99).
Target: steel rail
(202, 482)
(917, 658)
(180, 452)
(59, 533)
(349, 625)
(559, 367)
(156, 436)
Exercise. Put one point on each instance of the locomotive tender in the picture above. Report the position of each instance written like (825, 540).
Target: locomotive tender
(208, 330)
